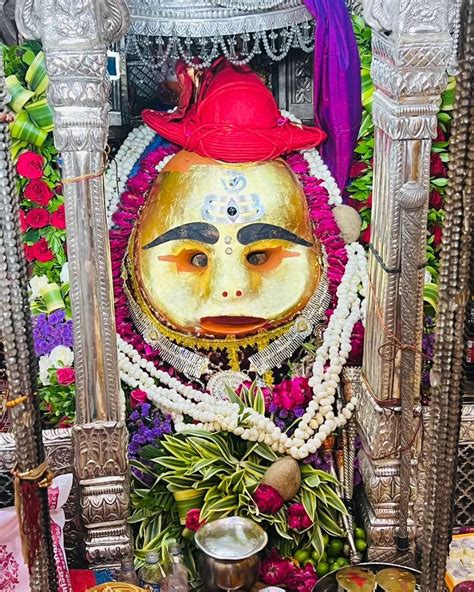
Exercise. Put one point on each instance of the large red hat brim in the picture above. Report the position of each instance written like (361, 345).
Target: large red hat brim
(230, 143)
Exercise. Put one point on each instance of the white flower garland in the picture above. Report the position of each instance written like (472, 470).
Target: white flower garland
(178, 400)
(121, 166)
(319, 419)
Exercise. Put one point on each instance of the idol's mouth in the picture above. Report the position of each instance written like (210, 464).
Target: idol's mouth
(231, 325)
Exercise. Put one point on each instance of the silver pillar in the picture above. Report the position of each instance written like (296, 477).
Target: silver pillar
(75, 36)
(411, 50)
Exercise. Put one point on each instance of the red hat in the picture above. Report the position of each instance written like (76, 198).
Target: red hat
(233, 119)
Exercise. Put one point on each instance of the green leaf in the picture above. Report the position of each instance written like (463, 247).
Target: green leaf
(309, 502)
(430, 295)
(328, 523)
(264, 451)
(333, 500)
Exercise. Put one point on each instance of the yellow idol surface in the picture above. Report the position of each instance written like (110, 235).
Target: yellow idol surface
(224, 249)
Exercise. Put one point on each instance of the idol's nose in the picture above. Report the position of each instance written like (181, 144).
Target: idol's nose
(232, 283)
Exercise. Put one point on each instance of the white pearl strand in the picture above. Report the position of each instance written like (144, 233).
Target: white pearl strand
(317, 168)
(121, 166)
(212, 415)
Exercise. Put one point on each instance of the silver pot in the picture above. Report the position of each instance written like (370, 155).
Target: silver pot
(229, 557)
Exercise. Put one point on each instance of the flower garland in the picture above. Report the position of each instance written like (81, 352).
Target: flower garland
(346, 271)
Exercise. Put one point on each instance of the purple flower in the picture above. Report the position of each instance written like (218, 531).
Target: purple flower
(283, 414)
(273, 407)
(299, 411)
(50, 331)
(145, 411)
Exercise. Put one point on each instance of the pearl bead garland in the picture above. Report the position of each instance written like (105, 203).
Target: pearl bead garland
(121, 166)
(319, 420)
(318, 169)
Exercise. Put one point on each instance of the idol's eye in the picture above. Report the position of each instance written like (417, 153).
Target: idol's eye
(199, 260)
(257, 257)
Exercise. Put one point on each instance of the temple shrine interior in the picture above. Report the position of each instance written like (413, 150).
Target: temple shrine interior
(237, 295)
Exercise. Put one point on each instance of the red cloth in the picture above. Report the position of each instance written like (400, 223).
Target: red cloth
(82, 579)
(234, 117)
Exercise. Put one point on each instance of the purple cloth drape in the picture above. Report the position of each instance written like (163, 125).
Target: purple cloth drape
(337, 85)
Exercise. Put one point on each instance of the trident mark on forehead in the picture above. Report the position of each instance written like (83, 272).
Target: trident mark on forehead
(233, 206)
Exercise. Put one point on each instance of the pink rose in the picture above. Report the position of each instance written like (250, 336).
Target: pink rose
(291, 393)
(66, 376)
(298, 519)
(30, 165)
(302, 579)
(268, 500)
(275, 569)
(193, 520)
(138, 397)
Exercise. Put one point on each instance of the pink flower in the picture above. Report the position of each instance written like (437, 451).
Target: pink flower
(66, 376)
(30, 165)
(291, 393)
(302, 579)
(140, 182)
(23, 223)
(137, 397)
(357, 344)
(298, 519)
(275, 569)
(193, 520)
(268, 500)
(365, 235)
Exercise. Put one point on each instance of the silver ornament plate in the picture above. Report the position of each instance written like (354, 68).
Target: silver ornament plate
(219, 384)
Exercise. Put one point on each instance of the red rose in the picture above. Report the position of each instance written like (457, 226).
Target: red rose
(66, 376)
(369, 201)
(23, 224)
(437, 235)
(59, 189)
(436, 201)
(30, 165)
(193, 520)
(58, 218)
(358, 168)
(268, 500)
(37, 218)
(365, 236)
(41, 251)
(39, 192)
(298, 519)
(29, 252)
(137, 397)
(440, 135)
(437, 168)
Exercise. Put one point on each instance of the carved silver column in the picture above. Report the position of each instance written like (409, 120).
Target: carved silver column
(411, 50)
(75, 36)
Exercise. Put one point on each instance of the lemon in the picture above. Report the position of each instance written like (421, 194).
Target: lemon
(325, 538)
(335, 547)
(301, 555)
(360, 533)
(360, 545)
(315, 555)
(322, 568)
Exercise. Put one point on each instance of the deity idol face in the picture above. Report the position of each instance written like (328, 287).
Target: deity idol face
(225, 249)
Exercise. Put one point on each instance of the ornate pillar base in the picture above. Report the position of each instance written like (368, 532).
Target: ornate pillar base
(105, 488)
(380, 469)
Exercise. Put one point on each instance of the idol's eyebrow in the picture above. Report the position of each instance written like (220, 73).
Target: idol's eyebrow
(198, 231)
(257, 232)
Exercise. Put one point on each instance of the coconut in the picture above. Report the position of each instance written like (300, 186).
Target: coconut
(349, 223)
(284, 476)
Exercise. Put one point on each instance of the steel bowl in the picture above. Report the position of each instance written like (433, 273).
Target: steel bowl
(229, 557)
(328, 583)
